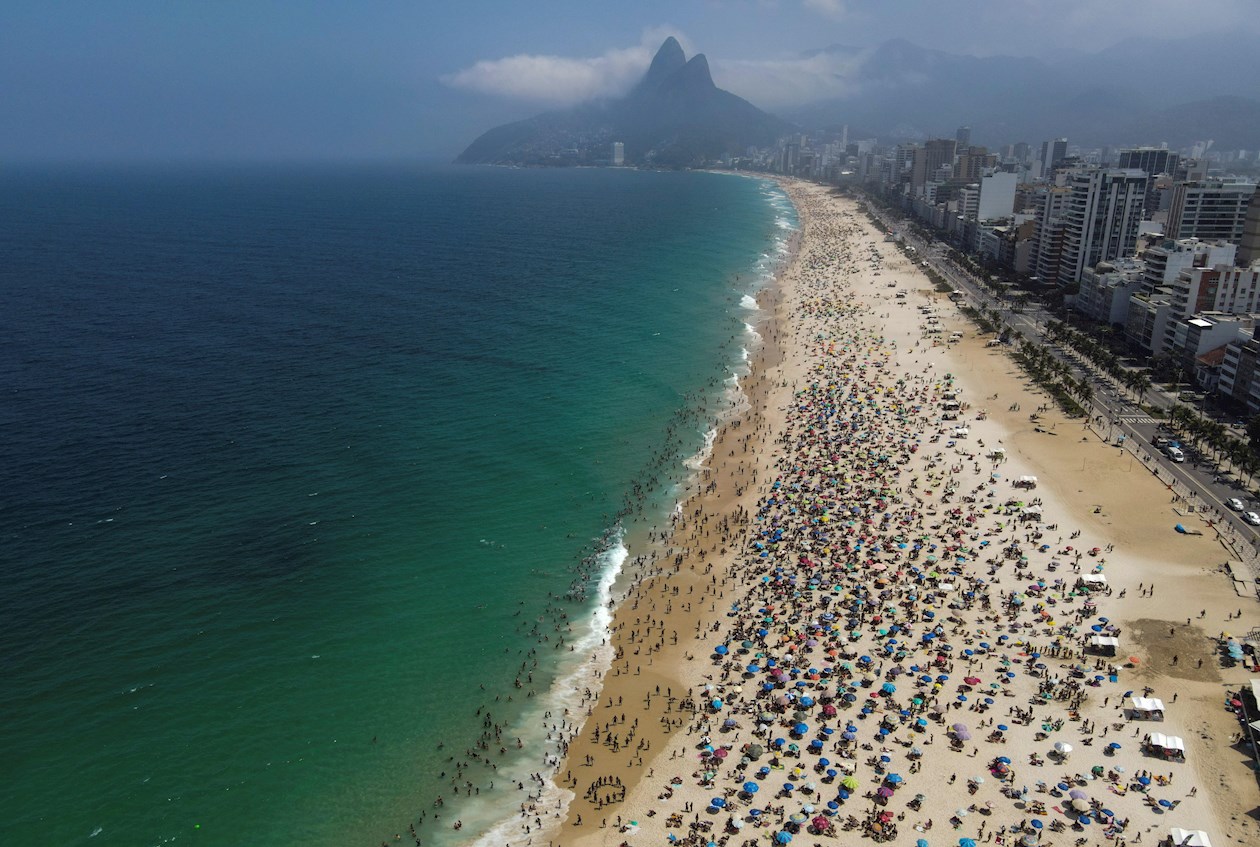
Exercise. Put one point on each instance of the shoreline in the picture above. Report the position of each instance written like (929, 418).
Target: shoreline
(645, 553)
(611, 764)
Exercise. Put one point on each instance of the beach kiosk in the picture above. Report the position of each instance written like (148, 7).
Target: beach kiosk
(1171, 747)
(1147, 708)
(1104, 645)
(1178, 837)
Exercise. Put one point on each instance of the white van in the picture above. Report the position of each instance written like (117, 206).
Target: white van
(1176, 455)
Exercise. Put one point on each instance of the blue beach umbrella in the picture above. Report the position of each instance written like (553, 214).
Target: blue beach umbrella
(783, 838)
(718, 803)
(721, 650)
(751, 787)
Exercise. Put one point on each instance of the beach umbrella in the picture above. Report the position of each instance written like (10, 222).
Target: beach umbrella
(1084, 820)
(1144, 780)
(850, 782)
(783, 838)
(966, 842)
(1002, 727)
(1167, 804)
(751, 788)
(797, 818)
(718, 803)
(1062, 747)
(894, 779)
(885, 791)
(1004, 760)
(1080, 805)
(721, 649)
(1063, 786)
(922, 842)
(1078, 794)
(1036, 823)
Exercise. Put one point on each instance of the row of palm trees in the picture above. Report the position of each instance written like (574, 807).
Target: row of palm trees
(1212, 436)
(1055, 376)
(1138, 382)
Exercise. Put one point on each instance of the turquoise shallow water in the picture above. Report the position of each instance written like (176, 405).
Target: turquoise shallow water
(301, 465)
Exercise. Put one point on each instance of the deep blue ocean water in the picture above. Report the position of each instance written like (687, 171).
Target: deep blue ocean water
(303, 466)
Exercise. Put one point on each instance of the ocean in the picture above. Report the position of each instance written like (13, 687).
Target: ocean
(313, 475)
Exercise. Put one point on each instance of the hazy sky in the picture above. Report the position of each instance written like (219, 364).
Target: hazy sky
(282, 79)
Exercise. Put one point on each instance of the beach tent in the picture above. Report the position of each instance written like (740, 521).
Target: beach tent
(1178, 837)
(961, 432)
(1105, 644)
(1026, 482)
(1147, 708)
(1169, 746)
(1092, 581)
(997, 453)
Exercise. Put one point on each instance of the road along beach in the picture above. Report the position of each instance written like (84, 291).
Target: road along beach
(863, 624)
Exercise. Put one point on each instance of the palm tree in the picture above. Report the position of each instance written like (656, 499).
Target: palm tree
(1141, 384)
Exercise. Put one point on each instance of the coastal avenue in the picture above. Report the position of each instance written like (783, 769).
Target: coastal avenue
(1112, 414)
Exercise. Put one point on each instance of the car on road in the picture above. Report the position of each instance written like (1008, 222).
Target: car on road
(1251, 518)
(1235, 504)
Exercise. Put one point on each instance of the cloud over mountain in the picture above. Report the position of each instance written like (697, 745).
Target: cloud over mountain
(563, 80)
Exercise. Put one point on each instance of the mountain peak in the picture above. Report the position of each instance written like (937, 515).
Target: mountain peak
(668, 60)
(695, 74)
(674, 117)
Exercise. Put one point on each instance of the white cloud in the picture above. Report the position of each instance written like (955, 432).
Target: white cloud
(834, 9)
(560, 80)
(776, 83)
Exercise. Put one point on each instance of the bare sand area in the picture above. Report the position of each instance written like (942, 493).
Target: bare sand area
(859, 626)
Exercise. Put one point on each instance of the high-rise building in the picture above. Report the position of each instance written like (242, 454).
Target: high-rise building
(1047, 248)
(1155, 161)
(1212, 210)
(1101, 218)
(928, 160)
(1052, 153)
(1249, 244)
(997, 196)
(963, 137)
(618, 153)
(971, 163)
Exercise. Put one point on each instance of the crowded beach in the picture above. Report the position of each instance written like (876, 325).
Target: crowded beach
(895, 610)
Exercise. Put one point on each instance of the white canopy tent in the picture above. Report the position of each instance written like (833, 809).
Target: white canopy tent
(1106, 644)
(1178, 837)
(1151, 708)
(1168, 742)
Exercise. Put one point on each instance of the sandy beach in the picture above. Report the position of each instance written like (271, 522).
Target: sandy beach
(862, 626)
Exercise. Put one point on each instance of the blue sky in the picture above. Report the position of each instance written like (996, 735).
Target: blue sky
(279, 79)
